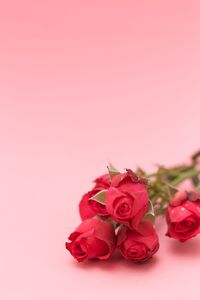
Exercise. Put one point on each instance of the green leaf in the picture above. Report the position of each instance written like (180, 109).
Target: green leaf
(100, 197)
(112, 170)
(185, 175)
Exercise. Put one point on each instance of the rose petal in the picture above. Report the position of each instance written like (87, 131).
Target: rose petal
(177, 213)
(178, 198)
(105, 232)
(85, 209)
(193, 207)
(96, 248)
(111, 197)
(138, 245)
(103, 181)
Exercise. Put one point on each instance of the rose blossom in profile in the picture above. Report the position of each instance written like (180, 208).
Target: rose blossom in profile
(140, 244)
(89, 208)
(94, 238)
(127, 199)
(183, 215)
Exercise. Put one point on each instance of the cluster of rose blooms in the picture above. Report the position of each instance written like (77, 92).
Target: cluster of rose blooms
(115, 216)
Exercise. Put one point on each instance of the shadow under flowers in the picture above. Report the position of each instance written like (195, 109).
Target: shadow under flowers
(116, 262)
(189, 248)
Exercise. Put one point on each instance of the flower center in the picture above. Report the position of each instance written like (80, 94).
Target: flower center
(187, 225)
(137, 252)
(124, 208)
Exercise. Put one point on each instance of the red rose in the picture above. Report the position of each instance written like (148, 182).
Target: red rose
(92, 239)
(183, 216)
(127, 199)
(102, 181)
(138, 245)
(89, 208)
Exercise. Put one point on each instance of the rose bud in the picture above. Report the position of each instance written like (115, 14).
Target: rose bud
(89, 208)
(127, 199)
(138, 245)
(183, 215)
(92, 239)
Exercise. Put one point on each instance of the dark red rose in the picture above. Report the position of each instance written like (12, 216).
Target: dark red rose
(183, 215)
(92, 239)
(139, 244)
(127, 199)
(90, 208)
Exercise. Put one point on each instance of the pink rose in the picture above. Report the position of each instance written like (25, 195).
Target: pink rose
(89, 208)
(92, 239)
(127, 199)
(139, 244)
(183, 215)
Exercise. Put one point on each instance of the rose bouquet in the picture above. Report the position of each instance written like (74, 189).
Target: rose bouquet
(120, 210)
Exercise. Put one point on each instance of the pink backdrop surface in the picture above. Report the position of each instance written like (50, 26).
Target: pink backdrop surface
(83, 83)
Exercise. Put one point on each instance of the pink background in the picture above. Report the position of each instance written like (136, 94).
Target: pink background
(83, 83)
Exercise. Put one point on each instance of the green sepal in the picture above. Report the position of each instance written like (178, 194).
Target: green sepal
(100, 197)
(112, 170)
(150, 215)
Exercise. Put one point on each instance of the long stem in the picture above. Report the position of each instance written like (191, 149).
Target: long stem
(198, 187)
(163, 185)
(163, 182)
(185, 176)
